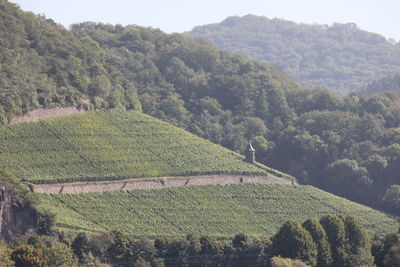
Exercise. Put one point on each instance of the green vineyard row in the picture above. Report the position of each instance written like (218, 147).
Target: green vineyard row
(113, 145)
(215, 210)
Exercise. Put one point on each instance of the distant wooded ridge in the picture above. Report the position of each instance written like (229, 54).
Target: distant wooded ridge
(340, 57)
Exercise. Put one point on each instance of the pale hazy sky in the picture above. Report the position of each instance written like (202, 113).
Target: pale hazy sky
(380, 16)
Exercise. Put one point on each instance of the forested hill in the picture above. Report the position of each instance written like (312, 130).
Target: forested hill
(44, 65)
(341, 57)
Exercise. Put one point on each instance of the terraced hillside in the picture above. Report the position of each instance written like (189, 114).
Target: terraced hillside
(215, 210)
(112, 145)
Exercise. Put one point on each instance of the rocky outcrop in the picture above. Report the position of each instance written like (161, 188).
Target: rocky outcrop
(16, 219)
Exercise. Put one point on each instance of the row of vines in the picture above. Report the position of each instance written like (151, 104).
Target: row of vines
(112, 145)
(221, 211)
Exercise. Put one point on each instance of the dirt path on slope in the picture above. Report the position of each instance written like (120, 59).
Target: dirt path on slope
(39, 114)
(154, 183)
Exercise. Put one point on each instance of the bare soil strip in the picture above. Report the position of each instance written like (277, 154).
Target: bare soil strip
(39, 114)
(153, 183)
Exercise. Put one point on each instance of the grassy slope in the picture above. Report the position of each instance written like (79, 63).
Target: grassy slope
(213, 210)
(111, 145)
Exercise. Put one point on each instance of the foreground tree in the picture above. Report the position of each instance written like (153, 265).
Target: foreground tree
(293, 241)
(362, 258)
(60, 255)
(387, 251)
(392, 257)
(358, 243)
(5, 256)
(336, 233)
(28, 256)
(284, 262)
(320, 239)
(356, 236)
(80, 245)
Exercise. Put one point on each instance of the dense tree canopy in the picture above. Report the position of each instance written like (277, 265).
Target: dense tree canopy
(44, 65)
(336, 233)
(293, 241)
(318, 234)
(293, 245)
(388, 83)
(340, 57)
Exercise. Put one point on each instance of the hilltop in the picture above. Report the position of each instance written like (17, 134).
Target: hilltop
(102, 66)
(214, 210)
(112, 145)
(340, 57)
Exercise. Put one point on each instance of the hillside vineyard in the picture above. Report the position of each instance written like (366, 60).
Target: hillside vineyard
(113, 145)
(215, 210)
